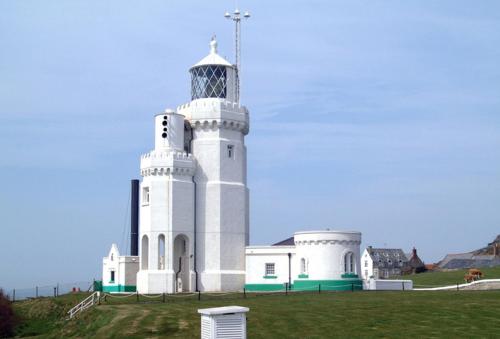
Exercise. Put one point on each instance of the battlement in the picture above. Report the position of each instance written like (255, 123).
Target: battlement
(166, 162)
(215, 113)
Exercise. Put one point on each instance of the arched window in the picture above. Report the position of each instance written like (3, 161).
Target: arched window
(303, 266)
(161, 252)
(349, 266)
(144, 252)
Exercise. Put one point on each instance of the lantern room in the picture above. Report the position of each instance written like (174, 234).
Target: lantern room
(214, 77)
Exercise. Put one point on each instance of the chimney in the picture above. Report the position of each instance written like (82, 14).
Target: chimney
(414, 252)
(495, 249)
(134, 217)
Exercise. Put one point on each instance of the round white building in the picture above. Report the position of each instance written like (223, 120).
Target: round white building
(326, 260)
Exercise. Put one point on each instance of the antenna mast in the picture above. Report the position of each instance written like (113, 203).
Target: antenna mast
(236, 17)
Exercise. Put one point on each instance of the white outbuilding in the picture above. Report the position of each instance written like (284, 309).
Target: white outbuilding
(326, 260)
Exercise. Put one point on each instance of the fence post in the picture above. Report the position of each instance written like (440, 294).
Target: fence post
(137, 296)
(352, 287)
(14, 295)
(319, 288)
(457, 287)
(403, 285)
(199, 295)
(163, 296)
(54, 292)
(244, 292)
(36, 292)
(286, 288)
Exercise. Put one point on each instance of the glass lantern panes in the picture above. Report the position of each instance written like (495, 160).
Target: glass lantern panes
(208, 82)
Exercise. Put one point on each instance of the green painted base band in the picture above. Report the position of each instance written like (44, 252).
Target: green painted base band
(118, 288)
(310, 285)
(349, 275)
(303, 276)
(328, 285)
(264, 287)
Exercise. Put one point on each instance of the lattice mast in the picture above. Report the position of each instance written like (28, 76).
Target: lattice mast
(236, 17)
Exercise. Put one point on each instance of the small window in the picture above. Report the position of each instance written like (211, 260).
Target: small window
(111, 256)
(366, 263)
(230, 151)
(112, 276)
(145, 195)
(303, 268)
(270, 269)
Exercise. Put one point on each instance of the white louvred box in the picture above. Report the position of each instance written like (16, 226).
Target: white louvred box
(224, 322)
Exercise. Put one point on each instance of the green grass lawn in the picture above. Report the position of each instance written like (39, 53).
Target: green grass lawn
(435, 279)
(298, 315)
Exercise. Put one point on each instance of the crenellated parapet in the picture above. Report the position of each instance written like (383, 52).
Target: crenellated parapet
(327, 242)
(213, 113)
(167, 162)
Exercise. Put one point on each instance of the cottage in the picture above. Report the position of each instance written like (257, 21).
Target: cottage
(381, 263)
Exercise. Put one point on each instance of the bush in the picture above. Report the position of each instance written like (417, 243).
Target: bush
(8, 320)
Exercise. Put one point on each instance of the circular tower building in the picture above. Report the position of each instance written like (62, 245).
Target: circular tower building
(218, 127)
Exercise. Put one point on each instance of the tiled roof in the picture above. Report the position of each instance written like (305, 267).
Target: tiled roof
(388, 257)
(287, 242)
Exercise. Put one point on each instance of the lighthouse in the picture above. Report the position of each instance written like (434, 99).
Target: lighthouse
(218, 126)
(193, 197)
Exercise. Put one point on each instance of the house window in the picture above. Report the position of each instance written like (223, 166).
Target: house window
(111, 256)
(366, 263)
(145, 195)
(112, 277)
(270, 269)
(230, 151)
(366, 274)
(302, 266)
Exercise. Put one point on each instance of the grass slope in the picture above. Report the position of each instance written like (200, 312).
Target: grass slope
(298, 315)
(444, 278)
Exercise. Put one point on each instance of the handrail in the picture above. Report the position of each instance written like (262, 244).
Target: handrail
(84, 304)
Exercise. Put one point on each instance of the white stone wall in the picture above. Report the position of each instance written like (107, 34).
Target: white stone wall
(325, 252)
(258, 256)
(389, 285)
(125, 268)
(169, 212)
(221, 191)
(110, 263)
(366, 265)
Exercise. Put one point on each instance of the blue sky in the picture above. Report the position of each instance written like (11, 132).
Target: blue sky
(378, 116)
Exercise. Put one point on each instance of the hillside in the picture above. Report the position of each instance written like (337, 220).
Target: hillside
(444, 278)
(343, 314)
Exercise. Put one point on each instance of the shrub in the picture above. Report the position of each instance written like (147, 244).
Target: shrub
(8, 319)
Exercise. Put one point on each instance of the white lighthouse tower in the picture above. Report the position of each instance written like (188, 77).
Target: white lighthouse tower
(193, 195)
(219, 125)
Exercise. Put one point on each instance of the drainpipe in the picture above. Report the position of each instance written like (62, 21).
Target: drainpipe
(194, 241)
(289, 270)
